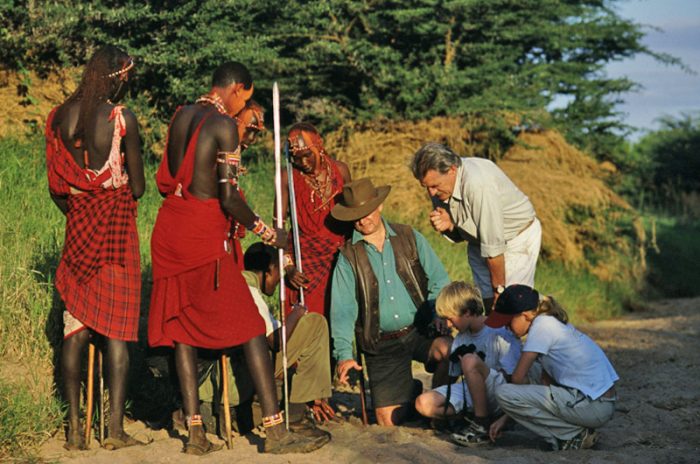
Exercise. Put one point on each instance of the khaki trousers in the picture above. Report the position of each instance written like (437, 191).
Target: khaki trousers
(553, 412)
(309, 349)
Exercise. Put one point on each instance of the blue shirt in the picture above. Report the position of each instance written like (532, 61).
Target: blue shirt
(396, 308)
(570, 357)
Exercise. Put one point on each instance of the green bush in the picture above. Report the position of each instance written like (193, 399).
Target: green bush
(352, 59)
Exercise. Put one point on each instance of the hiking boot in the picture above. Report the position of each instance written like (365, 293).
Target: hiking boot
(307, 427)
(472, 436)
(584, 440)
(290, 442)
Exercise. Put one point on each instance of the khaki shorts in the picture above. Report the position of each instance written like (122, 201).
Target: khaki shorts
(461, 399)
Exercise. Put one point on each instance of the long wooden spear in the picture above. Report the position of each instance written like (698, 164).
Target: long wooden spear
(293, 217)
(280, 252)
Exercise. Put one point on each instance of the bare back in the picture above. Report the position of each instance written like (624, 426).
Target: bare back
(217, 133)
(98, 140)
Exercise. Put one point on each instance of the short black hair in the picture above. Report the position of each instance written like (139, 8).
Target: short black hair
(231, 72)
(259, 257)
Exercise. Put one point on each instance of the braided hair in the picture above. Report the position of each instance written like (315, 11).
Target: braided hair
(102, 79)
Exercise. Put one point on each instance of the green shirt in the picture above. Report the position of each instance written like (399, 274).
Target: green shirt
(396, 308)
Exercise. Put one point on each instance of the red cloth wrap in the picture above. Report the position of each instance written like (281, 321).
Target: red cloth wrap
(188, 239)
(320, 236)
(98, 277)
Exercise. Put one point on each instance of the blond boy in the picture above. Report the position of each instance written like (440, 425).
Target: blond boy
(485, 357)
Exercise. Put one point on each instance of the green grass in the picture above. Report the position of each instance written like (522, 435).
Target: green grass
(674, 264)
(23, 420)
(31, 238)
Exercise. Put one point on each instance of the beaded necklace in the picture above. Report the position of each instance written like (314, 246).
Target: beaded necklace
(214, 100)
(323, 189)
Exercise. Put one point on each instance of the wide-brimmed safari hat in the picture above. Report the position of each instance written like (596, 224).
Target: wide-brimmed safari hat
(359, 198)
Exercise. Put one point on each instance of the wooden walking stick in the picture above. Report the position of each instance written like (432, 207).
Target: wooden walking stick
(227, 411)
(363, 403)
(293, 218)
(280, 252)
(102, 397)
(90, 382)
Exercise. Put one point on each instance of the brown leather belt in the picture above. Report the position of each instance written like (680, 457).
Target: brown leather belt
(395, 334)
(611, 393)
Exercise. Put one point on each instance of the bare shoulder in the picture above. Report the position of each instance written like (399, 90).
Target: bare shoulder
(344, 170)
(220, 123)
(129, 117)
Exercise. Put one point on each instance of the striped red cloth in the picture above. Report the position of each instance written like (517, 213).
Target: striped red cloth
(320, 236)
(98, 277)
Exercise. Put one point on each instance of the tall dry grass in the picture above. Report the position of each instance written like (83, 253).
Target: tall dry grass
(585, 224)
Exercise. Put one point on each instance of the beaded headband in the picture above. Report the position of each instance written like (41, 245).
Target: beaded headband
(255, 112)
(311, 140)
(128, 64)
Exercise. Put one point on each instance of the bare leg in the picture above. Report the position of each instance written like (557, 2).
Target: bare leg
(475, 373)
(71, 355)
(439, 357)
(432, 404)
(118, 370)
(278, 439)
(257, 357)
(186, 365)
(389, 416)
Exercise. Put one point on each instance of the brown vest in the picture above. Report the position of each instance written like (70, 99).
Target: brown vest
(410, 271)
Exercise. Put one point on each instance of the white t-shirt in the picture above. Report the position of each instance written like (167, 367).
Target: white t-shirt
(271, 324)
(501, 348)
(570, 357)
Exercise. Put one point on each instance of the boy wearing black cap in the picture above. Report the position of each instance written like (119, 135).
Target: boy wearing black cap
(578, 392)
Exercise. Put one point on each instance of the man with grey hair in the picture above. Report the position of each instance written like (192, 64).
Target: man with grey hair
(474, 201)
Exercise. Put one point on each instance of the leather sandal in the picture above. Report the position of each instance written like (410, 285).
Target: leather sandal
(75, 442)
(124, 441)
(196, 449)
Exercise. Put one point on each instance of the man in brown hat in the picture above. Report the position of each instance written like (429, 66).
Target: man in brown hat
(384, 285)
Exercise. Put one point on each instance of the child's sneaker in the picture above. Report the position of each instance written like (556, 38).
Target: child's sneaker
(473, 435)
(584, 440)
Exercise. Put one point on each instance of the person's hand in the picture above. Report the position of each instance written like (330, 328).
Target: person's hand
(440, 220)
(497, 427)
(441, 326)
(295, 278)
(344, 367)
(280, 240)
(322, 411)
(545, 378)
(300, 308)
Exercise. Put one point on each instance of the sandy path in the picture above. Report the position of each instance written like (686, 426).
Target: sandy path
(656, 353)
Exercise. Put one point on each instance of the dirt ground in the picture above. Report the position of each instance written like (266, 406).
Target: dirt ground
(656, 352)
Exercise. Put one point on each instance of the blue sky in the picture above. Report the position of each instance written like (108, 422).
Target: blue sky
(666, 90)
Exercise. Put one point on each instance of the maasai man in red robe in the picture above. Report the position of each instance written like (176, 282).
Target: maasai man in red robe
(199, 296)
(318, 179)
(95, 172)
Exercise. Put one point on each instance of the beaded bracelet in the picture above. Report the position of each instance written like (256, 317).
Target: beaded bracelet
(287, 261)
(232, 158)
(266, 234)
(233, 181)
(194, 420)
(271, 421)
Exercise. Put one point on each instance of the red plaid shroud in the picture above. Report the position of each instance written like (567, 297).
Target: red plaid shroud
(98, 220)
(98, 277)
(189, 237)
(320, 236)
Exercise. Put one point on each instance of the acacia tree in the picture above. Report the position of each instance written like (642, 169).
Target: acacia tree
(360, 59)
